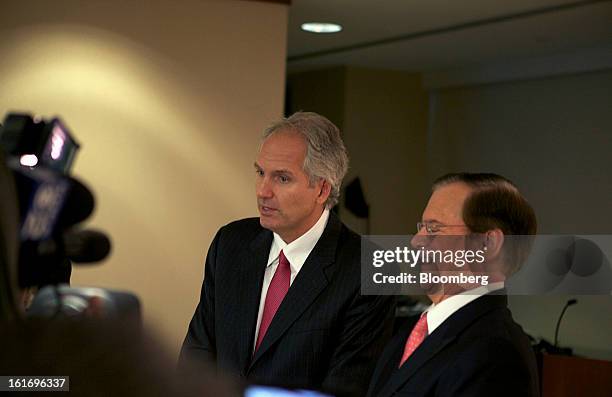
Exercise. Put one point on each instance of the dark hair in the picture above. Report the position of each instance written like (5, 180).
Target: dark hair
(496, 203)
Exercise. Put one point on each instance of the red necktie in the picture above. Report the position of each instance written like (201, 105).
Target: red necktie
(276, 293)
(418, 334)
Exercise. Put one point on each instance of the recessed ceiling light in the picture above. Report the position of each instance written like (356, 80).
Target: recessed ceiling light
(321, 27)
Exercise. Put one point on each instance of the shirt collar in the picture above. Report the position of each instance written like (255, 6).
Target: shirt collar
(298, 250)
(437, 314)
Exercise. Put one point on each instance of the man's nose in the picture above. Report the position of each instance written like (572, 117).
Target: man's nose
(419, 239)
(263, 188)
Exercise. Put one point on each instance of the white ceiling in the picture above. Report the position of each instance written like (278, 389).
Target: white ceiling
(425, 35)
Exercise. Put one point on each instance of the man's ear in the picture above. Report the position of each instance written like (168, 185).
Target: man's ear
(493, 243)
(324, 190)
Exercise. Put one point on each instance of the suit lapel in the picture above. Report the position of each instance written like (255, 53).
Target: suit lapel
(431, 346)
(444, 335)
(249, 290)
(308, 284)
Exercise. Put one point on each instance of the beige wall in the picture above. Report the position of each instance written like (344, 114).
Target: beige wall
(168, 99)
(385, 126)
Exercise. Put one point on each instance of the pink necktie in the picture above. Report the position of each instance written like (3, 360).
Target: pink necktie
(418, 334)
(276, 293)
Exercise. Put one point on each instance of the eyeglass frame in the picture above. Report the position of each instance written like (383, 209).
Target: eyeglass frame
(427, 226)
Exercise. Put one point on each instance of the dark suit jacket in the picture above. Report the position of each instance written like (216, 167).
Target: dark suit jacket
(478, 351)
(325, 335)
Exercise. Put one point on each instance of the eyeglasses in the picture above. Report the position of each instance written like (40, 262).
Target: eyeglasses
(432, 227)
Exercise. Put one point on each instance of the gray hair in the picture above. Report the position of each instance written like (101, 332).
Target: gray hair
(326, 156)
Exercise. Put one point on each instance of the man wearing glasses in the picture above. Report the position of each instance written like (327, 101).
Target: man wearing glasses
(466, 343)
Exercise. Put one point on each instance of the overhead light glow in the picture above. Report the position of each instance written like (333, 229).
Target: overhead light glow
(29, 160)
(321, 27)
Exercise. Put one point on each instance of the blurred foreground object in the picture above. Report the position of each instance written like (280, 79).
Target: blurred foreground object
(101, 359)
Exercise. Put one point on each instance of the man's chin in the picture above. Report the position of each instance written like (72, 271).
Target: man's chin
(267, 223)
(431, 289)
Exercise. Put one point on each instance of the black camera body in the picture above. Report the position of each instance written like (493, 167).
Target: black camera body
(39, 154)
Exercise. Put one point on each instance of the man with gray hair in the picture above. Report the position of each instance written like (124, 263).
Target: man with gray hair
(281, 303)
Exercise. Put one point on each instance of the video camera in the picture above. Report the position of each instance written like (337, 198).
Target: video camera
(51, 206)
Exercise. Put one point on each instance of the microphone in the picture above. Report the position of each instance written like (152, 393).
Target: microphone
(79, 246)
(569, 303)
(86, 246)
(50, 261)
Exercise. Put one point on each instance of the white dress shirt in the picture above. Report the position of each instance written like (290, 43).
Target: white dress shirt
(437, 314)
(296, 253)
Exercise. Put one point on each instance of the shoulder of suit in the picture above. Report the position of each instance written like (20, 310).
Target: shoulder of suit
(242, 227)
(348, 247)
(350, 233)
(495, 326)
(238, 234)
(347, 232)
(246, 223)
